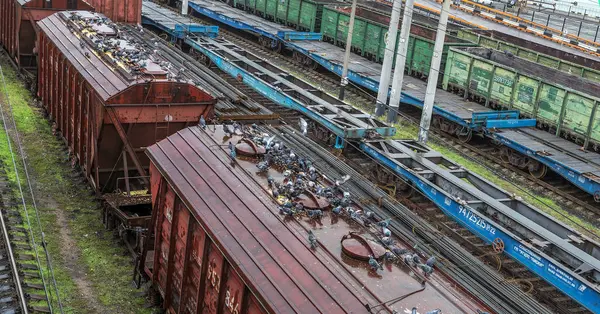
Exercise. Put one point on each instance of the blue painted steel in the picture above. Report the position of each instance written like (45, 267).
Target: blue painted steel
(180, 31)
(579, 179)
(232, 22)
(496, 115)
(211, 31)
(530, 257)
(406, 98)
(510, 124)
(281, 98)
(339, 143)
(538, 262)
(293, 35)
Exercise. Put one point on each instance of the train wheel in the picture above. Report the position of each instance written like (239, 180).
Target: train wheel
(276, 46)
(505, 155)
(405, 190)
(465, 135)
(314, 65)
(537, 170)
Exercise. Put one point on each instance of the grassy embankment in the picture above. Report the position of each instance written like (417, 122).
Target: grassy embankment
(83, 254)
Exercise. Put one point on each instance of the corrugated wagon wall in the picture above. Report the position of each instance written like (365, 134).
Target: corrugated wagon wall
(120, 11)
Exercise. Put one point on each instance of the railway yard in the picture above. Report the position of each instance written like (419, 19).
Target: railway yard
(196, 157)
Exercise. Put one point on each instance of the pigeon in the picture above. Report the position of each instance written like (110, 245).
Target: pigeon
(342, 180)
(262, 166)
(303, 126)
(386, 232)
(369, 214)
(229, 131)
(374, 264)
(232, 153)
(416, 259)
(202, 122)
(399, 251)
(387, 241)
(337, 210)
(312, 239)
(384, 223)
(408, 259)
(430, 261)
(284, 210)
(426, 269)
(388, 256)
(270, 181)
(315, 214)
(268, 142)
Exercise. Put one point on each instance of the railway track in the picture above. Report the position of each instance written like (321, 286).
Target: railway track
(491, 255)
(568, 196)
(511, 271)
(22, 284)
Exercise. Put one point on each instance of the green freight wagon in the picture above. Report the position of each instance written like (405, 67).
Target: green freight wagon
(369, 36)
(303, 15)
(562, 103)
(581, 67)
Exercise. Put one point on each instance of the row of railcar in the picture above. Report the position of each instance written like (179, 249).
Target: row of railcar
(562, 103)
(370, 29)
(588, 68)
(563, 100)
(452, 112)
(18, 20)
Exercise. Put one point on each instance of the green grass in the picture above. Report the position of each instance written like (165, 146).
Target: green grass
(106, 265)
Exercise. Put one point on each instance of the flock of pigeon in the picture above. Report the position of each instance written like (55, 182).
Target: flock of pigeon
(300, 176)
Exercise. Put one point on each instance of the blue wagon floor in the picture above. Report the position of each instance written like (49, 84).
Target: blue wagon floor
(560, 152)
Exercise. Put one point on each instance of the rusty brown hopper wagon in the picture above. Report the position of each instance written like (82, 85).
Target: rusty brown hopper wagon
(18, 25)
(217, 243)
(121, 11)
(109, 97)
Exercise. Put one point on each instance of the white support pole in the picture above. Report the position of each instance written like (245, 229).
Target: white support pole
(400, 61)
(344, 80)
(184, 7)
(434, 73)
(388, 58)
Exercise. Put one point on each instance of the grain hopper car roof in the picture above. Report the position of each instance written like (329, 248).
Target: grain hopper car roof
(102, 54)
(270, 257)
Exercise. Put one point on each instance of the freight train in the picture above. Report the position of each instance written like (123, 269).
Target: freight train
(368, 41)
(18, 22)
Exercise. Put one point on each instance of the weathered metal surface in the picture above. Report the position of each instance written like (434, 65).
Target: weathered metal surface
(557, 253)
(393, 280)
(560, 102)
(576, 66)
(249, 148)
(121, 11)
(18, 29)
(275, 264)
(589, 62)
(104, 103)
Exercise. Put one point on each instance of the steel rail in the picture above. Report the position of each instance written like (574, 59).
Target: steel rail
(11, 256)
(28, 179)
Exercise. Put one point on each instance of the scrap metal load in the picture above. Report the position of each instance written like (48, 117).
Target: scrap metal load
(110, 97)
